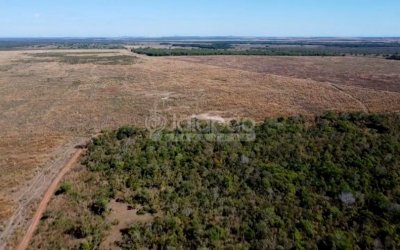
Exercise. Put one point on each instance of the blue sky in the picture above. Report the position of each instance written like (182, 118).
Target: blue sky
(114, 18)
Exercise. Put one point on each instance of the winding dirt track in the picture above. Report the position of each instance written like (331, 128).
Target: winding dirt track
(27, 196)
(46, 199)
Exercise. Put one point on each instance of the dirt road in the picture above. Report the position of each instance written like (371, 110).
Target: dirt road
(46, 199)
(41, 184)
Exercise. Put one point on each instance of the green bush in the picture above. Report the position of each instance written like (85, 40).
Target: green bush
(125, 132)
(99, 206)
(64, 188)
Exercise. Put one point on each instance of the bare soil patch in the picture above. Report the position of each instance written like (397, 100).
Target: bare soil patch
(121, 217)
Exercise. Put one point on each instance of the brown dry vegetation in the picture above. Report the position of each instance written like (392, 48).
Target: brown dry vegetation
(47, 103)
(372, 73)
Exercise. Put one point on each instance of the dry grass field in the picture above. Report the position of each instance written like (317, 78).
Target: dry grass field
(372, 73)
(53, 100)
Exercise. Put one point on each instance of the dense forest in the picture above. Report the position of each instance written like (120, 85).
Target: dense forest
(328, 183)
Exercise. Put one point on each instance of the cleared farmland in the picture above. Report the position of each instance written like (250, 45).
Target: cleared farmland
(372, 73)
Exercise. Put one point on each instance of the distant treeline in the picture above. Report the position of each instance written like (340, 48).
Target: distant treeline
(341, 44)
(296, 48)
(338, 44)
(217, 45)
(393, 57)
(254, 52)
(89, 43)
(11, 46)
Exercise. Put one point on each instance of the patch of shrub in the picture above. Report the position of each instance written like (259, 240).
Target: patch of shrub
(99, 206)
(64, 188)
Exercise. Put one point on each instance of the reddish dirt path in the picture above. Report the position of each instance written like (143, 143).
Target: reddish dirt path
(46, 199)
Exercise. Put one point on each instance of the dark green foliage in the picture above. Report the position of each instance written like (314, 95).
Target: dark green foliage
(86, 246)
(125, 132)
(81, 231)
(64, 188)
(278, 48)
(97, 141)
(393, 57)
(215, 45)
(333, 183)
(99, 206)
(89, 234)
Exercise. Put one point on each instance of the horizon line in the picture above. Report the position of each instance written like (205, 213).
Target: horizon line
(183, 36)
